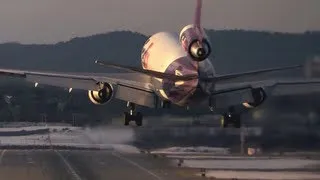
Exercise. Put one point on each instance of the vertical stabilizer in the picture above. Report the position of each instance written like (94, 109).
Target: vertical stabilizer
(197, 19)
(193, 38)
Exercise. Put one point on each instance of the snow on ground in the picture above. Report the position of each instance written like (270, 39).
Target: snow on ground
(31, 124)
(109, 134)
(263, 175)
(192, 150)
(21, 128)
(220, 159)
(266, 164)
(219, 163)
(115, 138)
(224, 157)
(123, 148)
(33, 128)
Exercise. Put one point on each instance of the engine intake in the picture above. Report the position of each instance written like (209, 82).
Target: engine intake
(102, 96)
(259, 96)
(198, 49)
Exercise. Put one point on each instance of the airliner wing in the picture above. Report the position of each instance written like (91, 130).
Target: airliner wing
(236, 93)
(133, 87)
(239, 76)
(279, 86)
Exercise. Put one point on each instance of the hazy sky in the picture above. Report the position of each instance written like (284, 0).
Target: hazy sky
(49, 21)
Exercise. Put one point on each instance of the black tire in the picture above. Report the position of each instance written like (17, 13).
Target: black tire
(237, 125)
(237, 121)
(126, 118)
(165, 104)
(224, 121)
(138, 119)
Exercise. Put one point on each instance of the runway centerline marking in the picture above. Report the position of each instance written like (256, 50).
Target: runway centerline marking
(136, 165)
(1, 155)
(71, 169)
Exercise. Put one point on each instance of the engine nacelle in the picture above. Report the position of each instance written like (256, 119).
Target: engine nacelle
(198, 49)
(259, 96)
(102, 96)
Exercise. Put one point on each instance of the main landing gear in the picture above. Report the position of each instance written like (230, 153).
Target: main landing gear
(165, 105)
(132, 115)
(231, 117)
(137, 117)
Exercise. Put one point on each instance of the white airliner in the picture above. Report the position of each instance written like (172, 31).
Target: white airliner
(175, 70)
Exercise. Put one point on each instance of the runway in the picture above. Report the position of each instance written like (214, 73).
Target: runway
(106, 153)
(86, 165)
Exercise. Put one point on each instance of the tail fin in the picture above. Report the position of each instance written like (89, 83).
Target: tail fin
(197, 19)
(197, 16)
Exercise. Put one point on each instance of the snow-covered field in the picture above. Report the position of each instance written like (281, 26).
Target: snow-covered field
(249, 164)
(264, 168)
(113, 138)
(192, 151)
(21, 128)
(263, 175)
(217, 161)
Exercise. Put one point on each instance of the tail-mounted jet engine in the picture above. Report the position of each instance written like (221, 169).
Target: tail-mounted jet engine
(198, 49)
(101, 96)
(259, 96)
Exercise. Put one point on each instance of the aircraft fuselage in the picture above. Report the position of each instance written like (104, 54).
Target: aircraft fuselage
(168, 53)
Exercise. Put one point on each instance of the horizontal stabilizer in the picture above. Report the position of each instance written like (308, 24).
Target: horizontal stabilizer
(149, 72)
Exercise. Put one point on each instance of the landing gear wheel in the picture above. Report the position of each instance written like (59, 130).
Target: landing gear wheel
(225, 121)
(126, 118)
(132, 115)
(165, 104)
(231, 118)
(138, 119)
(237, 121)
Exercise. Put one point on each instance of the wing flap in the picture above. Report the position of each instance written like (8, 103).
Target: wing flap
(299, 87)
(233, 98)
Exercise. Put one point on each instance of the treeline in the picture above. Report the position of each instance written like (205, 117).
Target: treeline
(233, 50)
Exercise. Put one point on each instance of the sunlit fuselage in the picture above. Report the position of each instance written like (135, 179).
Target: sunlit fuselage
(163, 52)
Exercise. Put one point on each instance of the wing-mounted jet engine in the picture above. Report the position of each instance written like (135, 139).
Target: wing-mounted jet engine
(101, 96)
(255, 98)
(258, 95)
